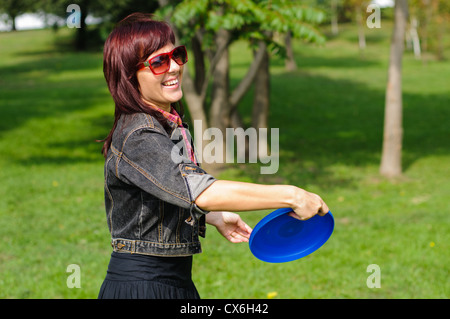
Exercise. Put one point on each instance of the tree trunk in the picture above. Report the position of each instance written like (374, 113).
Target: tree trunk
(220, 110)
(440, 37)
(334, 17)
(261, 102)
(290, 60)
(13, 19)
(194, 100)
(361, 26)
(219, 117)
(426, 24)
(200, 68)
(415, 37)
(81, 35)
(391, 157)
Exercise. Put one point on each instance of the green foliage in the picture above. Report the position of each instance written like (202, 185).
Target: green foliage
(248, 19)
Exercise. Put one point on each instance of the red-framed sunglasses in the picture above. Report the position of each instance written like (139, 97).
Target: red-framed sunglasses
(161, 63)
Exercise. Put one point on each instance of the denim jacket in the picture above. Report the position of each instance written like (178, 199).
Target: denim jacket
(149, 197)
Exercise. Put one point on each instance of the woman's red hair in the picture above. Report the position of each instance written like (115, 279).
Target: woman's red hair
(131, 42)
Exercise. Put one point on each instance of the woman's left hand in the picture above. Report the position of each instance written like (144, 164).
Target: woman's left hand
(230, 226)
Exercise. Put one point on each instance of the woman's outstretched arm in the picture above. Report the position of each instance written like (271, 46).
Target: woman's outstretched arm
(225, 195)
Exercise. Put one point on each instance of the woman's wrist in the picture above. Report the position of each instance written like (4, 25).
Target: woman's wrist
(213, 218)
(290, 198)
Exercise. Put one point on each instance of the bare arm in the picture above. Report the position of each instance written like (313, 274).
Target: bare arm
(240, 196)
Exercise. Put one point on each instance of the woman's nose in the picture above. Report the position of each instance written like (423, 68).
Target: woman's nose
(174, 67)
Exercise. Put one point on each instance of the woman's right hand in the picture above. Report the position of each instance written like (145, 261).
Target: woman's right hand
(307, 205)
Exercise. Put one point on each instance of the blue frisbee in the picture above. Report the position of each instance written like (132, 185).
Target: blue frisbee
(279, 238)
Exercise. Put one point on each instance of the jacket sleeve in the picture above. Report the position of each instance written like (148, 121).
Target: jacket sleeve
(146, 162)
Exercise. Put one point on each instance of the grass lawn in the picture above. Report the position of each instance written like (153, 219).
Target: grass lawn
(54, 105)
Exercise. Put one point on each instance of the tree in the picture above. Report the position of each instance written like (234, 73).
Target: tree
(428, 26)
(438, 15)
(391, 158)
(211, 26)
(334, 17)
(110, 11)
(14, 8)
(359, 9)
(261, 99)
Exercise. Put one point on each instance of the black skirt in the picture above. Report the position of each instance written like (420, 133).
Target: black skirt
(134, 276)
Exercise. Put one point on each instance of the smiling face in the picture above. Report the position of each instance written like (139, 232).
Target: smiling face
(163, 89)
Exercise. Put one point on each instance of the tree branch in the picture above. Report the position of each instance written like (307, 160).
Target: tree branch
(246, 82)
(212, 64)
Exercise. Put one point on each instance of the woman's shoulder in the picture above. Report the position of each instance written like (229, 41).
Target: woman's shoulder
(135, 120)
(130, 123)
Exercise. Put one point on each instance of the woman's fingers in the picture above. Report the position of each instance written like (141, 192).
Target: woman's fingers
(309, 204)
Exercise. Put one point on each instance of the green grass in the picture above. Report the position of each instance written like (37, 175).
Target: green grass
(55, 104)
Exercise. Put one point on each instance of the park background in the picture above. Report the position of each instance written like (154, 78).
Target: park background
(55, 104)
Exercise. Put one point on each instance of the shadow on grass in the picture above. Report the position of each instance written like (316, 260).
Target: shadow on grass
(327, 62)
(328, 123)
(323, 122)
(54, 90)
(52, 61)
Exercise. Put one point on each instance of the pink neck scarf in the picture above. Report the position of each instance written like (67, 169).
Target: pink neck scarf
(175, 118)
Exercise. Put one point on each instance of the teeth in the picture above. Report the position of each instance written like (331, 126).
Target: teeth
(169, 83)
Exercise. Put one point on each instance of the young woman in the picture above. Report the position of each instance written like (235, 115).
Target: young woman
(156, 207)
